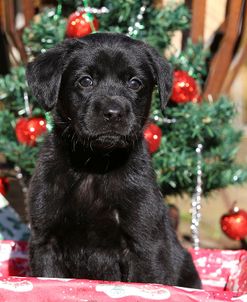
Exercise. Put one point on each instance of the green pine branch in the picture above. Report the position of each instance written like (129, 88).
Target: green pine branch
(209, 124)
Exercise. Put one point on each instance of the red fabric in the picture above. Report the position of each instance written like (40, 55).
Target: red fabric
(13, 258)
(222, 270)
(58, 290)
(223, 274)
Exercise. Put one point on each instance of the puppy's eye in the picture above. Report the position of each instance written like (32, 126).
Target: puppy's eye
(86, 81)
(135, 84)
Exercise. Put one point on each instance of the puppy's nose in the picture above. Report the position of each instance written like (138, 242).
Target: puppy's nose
(112, 114)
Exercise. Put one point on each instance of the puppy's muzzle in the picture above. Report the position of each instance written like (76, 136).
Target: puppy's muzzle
(110, 121)
(112, 111)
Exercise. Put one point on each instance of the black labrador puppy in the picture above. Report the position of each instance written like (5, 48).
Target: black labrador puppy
(96, 211)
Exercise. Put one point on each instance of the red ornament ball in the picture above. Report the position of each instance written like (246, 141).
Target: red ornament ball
(185, 88)
(234, 223)
(152, 135)
(81, 24)
(4, 185)
(29, 129)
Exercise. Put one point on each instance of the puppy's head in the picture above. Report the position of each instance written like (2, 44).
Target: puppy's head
(100, 87)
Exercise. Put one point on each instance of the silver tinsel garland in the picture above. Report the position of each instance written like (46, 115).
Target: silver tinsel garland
(137, 26)
(196, 200)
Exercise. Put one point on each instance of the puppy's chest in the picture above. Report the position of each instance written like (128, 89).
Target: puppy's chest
(98, 192)
(96, 204)
(99, 215)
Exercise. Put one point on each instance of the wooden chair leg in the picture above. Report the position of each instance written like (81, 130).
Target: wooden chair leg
(239, 58)
(10, 29)
(221, 62)
(198, 20)
(28, 10)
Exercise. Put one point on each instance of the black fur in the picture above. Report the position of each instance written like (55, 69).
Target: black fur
(95, 209)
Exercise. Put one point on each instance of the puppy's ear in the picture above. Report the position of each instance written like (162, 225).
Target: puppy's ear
(45, 72)
(163, 75)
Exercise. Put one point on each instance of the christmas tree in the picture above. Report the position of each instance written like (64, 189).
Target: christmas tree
(172, 136)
